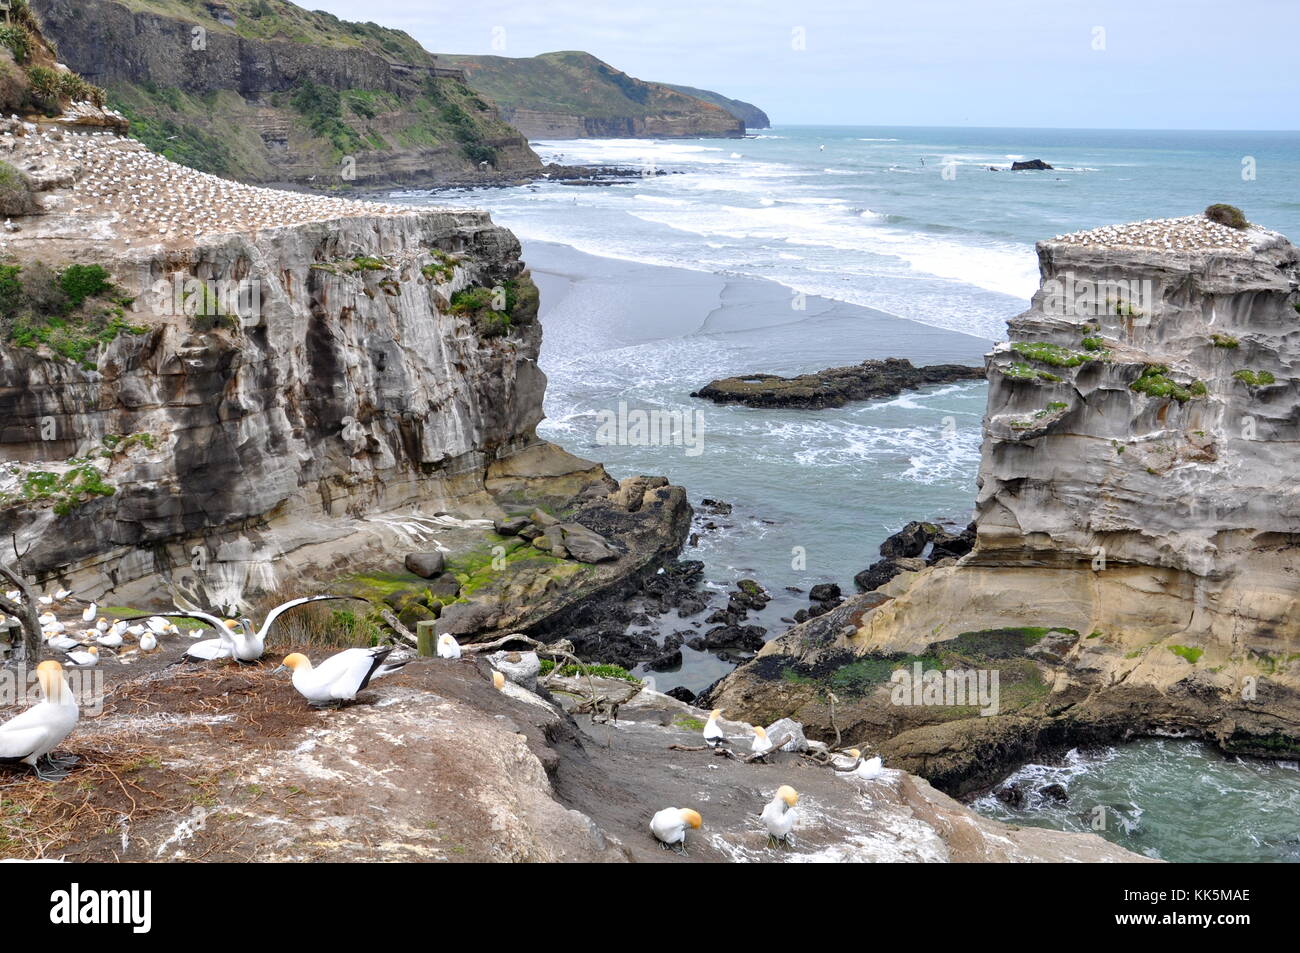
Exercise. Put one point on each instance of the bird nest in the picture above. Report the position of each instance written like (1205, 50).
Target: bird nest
(142, 757)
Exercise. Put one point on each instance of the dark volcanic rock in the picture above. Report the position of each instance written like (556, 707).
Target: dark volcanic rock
(1036, 165)
(911, 540)
(1056, 792)
(681, 694)
(836, 386)
(824, 592)
(666, 662)
(883, 570)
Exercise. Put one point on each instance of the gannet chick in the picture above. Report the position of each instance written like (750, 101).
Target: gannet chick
(868, 768)
(32, 735)
(714, 736)
(761, 743)
(87, 659)
(448, 647)
(339, 677)
(498, 681)
(669, 827)
(780, 817)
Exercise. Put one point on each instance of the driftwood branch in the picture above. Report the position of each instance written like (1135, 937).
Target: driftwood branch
(776, 746)
(833, 700)
(397, 626)
(29, 650)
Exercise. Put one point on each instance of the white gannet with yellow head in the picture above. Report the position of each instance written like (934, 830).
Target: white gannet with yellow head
(865, 768)
(761, 744)
(780, 817)
(339, 677)
(87, 659)
(32, 735)
(669, 827)
(498, 680)
(448, 647)
(714, 736)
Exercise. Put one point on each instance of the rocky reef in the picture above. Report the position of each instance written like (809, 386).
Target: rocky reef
(1136, 522)
(836, 386)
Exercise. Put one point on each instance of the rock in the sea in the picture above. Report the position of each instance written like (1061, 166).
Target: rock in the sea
(427, 565)
(670, 660)
(836, 386)
(824, 592)
(1037, 165)
(1056, 792)
(522, 668)
(682, 694)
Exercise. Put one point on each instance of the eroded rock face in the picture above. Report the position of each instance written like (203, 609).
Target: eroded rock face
(355, 391)
(1136, 494)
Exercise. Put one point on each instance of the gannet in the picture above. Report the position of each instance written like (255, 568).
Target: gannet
(61, 642)
(86, 659)
(669, 827)
(780, 817)
(88, 614)
(867, 769)
(148, 642)
(448, 647)
(32, 735)
(498, 681)
(713, 733)
(761, 743)
(339, 677)
(209, 650)
(109, 641)
(250, 645)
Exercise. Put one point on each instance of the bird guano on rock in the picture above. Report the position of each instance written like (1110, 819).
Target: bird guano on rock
(31, 736)
(669, 827)
(780, 817)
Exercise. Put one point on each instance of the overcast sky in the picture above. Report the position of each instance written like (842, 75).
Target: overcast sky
(1172, 64)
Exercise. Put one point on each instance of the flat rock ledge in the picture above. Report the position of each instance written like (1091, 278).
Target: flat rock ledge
(835, 386)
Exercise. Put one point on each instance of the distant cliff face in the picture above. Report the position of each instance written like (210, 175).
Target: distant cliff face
(574, 95)
(751, 115)
(263, 91)
(1136, 496)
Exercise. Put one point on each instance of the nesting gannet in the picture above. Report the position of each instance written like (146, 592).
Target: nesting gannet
(669, 827)
(209, 650)
(61, 642)
(87, 659)
(339, 677)
(109, 641)
(88, 614)
(498, 681)
(448, 647)
(148, 642)
(250, 645)
(868, 768)
(780, 817)
(714, 736)
(32, 735)
(761, 744)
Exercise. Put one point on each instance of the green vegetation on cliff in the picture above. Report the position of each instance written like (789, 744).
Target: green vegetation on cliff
(580, 93)
(362, 105)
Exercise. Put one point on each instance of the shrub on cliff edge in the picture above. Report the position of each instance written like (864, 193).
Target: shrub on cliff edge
(15, 192)
(1228, 215)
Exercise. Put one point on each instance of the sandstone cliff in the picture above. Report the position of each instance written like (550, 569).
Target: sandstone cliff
(1136, 524)
(753, 117)
(573, 95)
(264, 91)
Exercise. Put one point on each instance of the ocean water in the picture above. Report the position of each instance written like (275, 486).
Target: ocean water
(809, 247)
(1178, 801)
